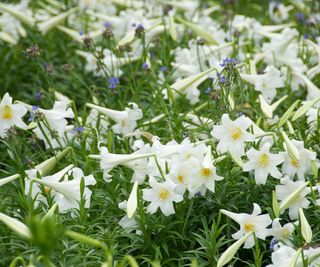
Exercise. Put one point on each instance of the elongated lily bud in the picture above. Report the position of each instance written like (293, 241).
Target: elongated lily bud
(132, 203)
(291, 149)
(6, 180)
(305, 227)
(61, 97)
(236, 158)
(292, 197)
(232, 250)
(46, 166)
(304, 108)
(7, 38)
(295, 258)
(18, 14)
(172, 29)
(187, 82)
(275, 205)
(199, 31)
(288, 113)
(16, 226)
(83, 238)
(46, 26)
(50, 212)
(269, 109)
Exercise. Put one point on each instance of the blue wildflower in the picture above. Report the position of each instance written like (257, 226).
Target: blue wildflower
(113, 82)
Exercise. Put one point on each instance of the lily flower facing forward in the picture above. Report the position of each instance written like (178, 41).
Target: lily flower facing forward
(10, 115)
(263, 163)
(266, 83)
(254, 222)
(232, 135)
(161, 195)
(301, 167)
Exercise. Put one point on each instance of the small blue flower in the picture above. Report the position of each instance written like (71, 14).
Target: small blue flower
(33, 113)
(208, 90)
(229, 62)
(273, 243)
(140, 27)
(145, 66)
(77, 130)
(38, 96)
(134, 24)
(300, 17)
(222, 79)
(113, 82)
(81, 33)
(164, 68)
(107, 24)
(306, 36)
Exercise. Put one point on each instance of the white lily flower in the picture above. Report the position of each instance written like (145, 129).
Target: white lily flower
(277, 11)
(126, 121)
(65, 193)
(280, 232)
(161, 195)
(232, 135)
(263, 163)
(206, 175)
(301, 167)
(282, 257)
(10, 115)
(136, 161)
(266, 83)
(254, 222)
(286, 188)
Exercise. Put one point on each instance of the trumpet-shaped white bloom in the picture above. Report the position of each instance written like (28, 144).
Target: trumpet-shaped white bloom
(266, 83)
(65, 193)
(125, 121)
(301, 167)
(232, 135)
(277, 12)
(286, 188)
(250, 223)
(280, 232)
(263, 163)
(282, 257)
(161, 195)
(206, 175)
(10, 115)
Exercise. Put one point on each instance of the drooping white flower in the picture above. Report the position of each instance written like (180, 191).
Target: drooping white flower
(280, 232)
(65, 193)
(232, 135)
(301, 167)
(161, 195)
(254, 222)
(125, 121)
(286, 188)
(266, 83)
(10, 115)
(263, 163)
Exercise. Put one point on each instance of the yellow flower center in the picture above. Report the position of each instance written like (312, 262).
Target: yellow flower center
(47, 189)
(236, 133)
(205, 172)
(180, 178)
(7, 115)
(264, 160)
(248, 227)
(295, 163)
(285, 233)
(164, 193)
(123, 123)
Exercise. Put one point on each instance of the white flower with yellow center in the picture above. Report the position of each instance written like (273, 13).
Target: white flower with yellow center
(232, 135)
(254, 222)
(10, 115)
(280, 232)
(161, 195)
(263, 163)
(205, 177)
(286, 188)
(301, 167)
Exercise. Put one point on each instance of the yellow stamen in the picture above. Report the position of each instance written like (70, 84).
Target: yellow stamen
(295, 163)
(180, 178)
(236, 134)
(249, 227)
(205, 172)
(123, 123)
(47, 189)
(164, 193)
(7, 115)
(264, 160)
